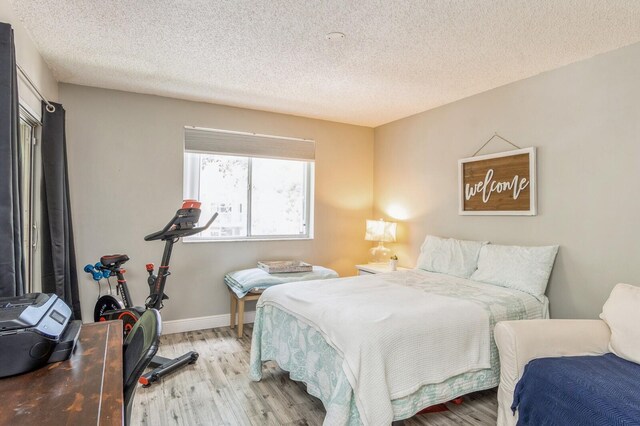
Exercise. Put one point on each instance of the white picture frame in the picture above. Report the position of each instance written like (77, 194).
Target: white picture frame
(532, 211)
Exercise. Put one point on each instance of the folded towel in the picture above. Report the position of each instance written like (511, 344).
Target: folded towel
(242, 282)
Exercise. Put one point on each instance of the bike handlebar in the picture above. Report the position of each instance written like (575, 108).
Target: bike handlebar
(173, 229)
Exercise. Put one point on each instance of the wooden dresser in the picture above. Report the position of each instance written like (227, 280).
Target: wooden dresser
(86, 389)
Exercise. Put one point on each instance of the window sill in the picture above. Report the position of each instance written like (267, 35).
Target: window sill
(243, 240)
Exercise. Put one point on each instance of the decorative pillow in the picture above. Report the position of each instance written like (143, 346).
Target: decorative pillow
(522, 268)
(621, 312)
(449, 256)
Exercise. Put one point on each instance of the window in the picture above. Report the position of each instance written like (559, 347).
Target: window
(29, 127)
(260, 186)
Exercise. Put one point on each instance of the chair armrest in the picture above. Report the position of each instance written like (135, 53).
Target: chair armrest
(521, 341)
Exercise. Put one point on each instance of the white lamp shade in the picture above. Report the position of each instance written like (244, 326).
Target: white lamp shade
(379, 230)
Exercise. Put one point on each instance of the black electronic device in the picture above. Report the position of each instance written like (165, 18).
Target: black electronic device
(35, 329)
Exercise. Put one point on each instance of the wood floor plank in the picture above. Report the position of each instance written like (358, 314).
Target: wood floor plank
(216, 390)
(480, 407)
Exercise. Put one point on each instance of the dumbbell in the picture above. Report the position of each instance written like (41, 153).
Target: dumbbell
(96, 274)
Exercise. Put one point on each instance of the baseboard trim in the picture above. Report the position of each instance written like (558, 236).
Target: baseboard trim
(202, 323)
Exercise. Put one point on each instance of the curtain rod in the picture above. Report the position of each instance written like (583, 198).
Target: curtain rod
(50, 107)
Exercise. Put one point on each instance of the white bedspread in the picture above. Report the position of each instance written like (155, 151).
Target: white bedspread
(393, 335)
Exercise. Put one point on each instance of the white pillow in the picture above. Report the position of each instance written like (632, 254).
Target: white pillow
(522, 268)
(449, 256)
(621, 312)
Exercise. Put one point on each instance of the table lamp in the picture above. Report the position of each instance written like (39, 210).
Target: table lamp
(382, 232)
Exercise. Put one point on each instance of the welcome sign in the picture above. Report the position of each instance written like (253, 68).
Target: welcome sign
(498, 184)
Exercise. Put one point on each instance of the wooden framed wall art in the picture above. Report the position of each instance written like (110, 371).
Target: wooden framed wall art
(498, 184)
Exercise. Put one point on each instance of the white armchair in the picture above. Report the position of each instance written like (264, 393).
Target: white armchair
(521, 341)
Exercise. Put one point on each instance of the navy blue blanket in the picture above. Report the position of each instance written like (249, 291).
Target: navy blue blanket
(579, 390)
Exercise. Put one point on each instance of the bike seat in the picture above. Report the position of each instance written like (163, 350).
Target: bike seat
(114, 259)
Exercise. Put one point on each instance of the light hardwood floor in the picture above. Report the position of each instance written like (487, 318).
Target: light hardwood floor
(217, 391)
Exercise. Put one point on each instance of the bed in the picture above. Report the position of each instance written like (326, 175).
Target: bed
(380, 348)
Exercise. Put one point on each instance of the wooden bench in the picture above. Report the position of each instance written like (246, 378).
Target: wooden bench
(237, 305)
(260, 279)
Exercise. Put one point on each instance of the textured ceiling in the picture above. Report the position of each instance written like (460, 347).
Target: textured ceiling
(398, 57)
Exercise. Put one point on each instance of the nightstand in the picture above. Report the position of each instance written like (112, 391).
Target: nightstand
(375, 268)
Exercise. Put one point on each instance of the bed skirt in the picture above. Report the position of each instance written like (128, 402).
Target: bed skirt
(302, 351)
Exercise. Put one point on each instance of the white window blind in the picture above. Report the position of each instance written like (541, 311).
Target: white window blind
(226, 142)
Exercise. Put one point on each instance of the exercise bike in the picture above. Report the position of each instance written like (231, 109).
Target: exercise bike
(109, 308)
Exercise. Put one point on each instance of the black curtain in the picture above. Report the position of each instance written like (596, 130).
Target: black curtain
(12, 270)
(59, 273)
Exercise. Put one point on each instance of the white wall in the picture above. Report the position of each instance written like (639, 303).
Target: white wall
(125, 165)
(585, 121)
